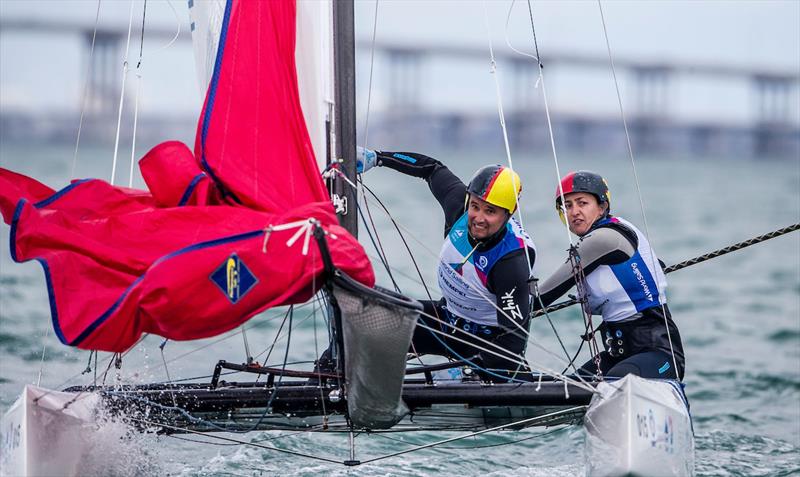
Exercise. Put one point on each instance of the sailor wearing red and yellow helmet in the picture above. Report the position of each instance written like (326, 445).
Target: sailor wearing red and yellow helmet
(624, 283)
(484, 264)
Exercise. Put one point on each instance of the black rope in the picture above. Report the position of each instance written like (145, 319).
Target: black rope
(693, 261)
(141, 41)
(732, 248)
(535, 42)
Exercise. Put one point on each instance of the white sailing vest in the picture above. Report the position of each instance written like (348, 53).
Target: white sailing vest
(463, 277)
(620, 291)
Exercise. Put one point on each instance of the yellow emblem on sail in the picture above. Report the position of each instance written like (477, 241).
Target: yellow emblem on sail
(233, 278)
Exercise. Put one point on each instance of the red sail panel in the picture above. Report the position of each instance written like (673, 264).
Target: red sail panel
(251, 138)
(186, 259)
(113, 278)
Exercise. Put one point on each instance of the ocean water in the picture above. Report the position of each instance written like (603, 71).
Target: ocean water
(739, 316)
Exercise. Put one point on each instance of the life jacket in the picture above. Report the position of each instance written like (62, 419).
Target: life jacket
(463, 277)
(620, 291)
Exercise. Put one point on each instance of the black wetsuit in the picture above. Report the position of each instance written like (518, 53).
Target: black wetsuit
(507, 278)
(639, 344)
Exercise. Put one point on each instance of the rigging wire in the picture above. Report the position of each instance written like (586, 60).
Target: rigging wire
(84, 95)
(237, 441)
(654, 265)
(230, 335)
(540, 80)
(501, 114)
(277, 336)
(402, 238)
(438, 259)
(371, 69)
(136, 99)
(536, 296)
(427, 290)
(377, 246)
(177, 26)
(377, 238)
(508, 152)
(485, 446)
(122, 95)
(191, 418)
(253, 443)
(472, 434)
(316, 349)
(511, 359)
(438, 319)
(44, 350)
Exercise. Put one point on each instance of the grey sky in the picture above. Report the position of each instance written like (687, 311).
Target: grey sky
(45, 72)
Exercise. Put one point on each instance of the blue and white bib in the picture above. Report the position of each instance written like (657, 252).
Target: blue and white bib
(462, 277)
(620, 291)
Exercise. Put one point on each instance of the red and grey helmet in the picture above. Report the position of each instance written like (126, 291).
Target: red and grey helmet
(583, 181)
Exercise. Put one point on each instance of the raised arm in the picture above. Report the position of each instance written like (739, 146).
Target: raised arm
(604, 246)
(448, 189)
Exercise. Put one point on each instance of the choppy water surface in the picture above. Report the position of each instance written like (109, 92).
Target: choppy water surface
(739, 316)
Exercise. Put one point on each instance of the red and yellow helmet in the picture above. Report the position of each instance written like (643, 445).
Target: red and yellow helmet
(497, 185)
(583, 181)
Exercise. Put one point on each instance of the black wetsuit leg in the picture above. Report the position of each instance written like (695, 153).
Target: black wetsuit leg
(589, 368)
(426, 341)
(650, 364)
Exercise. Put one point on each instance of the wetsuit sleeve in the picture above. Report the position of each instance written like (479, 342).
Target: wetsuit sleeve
(446, 187)
(604, 246)
(508, 281)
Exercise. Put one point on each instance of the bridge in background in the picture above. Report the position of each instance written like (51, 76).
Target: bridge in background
(772, 130)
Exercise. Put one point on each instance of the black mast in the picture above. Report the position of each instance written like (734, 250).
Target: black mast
(344, 67)
(345, 111)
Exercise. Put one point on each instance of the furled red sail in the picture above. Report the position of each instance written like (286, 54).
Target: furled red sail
(206, 247)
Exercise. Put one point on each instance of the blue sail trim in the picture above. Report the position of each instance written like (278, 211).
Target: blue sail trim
(60, 194)
(187, 194)
(13, 248)
(212, 94)
(198, 246)
(102, 318)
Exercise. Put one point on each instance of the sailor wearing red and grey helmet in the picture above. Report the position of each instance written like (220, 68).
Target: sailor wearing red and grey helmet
(624, 283)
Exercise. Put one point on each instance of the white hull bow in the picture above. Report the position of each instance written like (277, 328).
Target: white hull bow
(638, 426)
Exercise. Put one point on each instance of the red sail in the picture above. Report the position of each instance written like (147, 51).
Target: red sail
(192, 256)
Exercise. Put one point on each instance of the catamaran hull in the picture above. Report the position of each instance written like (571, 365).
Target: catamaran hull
(43, 433)
(640, 427)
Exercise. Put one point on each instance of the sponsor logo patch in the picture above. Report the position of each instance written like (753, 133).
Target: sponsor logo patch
(233, 278)
(640, 278)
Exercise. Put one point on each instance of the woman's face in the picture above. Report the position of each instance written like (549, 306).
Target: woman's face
(582, 210)
(483, 218)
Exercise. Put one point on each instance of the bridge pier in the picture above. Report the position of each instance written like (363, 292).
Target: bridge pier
(773, 134)
(103, 85)
(404, 79)
(652, 85)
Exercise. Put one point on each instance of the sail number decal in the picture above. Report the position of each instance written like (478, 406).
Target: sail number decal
(11, 440)
(658, 433)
